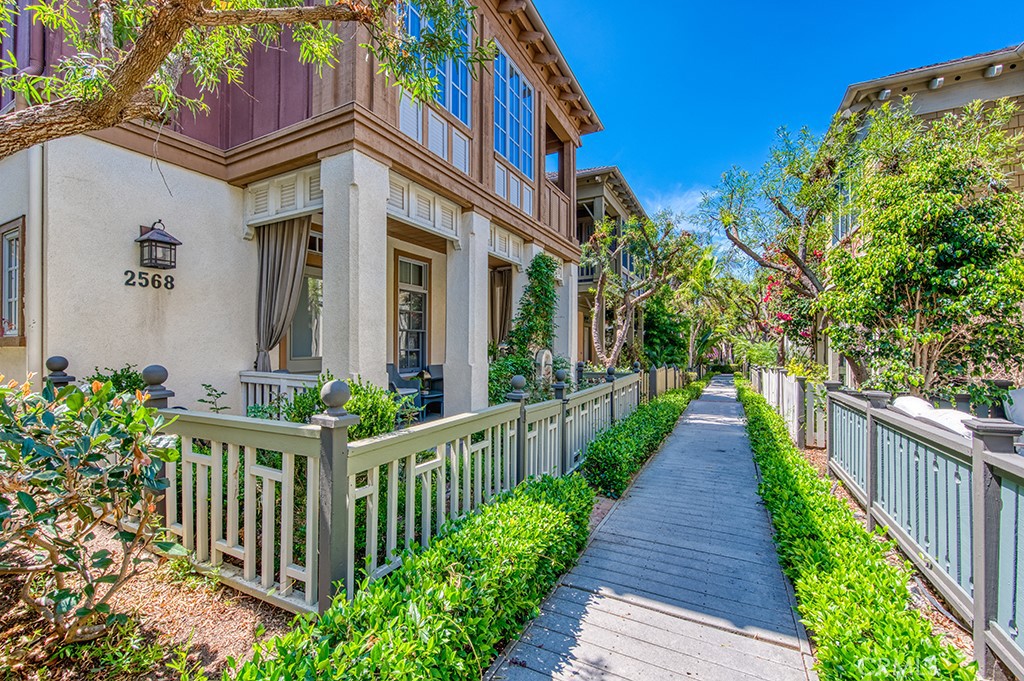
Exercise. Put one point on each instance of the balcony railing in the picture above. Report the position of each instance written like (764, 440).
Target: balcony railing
(556, 210)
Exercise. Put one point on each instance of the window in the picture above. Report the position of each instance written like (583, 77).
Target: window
(10, 278)
(453, 75)
(413, 284)
(513, 115)
(306, 338)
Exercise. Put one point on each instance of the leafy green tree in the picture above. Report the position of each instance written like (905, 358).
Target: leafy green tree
(659, 249)
(664, 331)
(929, 288)
(129, 56)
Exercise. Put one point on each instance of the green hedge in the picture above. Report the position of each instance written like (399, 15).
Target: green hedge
(445, 611)
(852, 599)
(619, 452)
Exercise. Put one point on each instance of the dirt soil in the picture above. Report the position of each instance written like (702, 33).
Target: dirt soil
(943, 625)
(166, 607)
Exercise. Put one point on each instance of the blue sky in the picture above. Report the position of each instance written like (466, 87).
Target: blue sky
(686, 90)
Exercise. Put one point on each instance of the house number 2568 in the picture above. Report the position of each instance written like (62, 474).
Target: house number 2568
(145, 279)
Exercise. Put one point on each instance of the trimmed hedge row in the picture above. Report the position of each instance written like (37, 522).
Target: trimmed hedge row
(852, 599)
(445, 611)
(619, 452)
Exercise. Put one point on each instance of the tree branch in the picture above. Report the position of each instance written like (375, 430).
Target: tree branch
(287, 15)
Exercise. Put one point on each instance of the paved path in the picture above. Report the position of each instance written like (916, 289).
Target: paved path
(681, 580)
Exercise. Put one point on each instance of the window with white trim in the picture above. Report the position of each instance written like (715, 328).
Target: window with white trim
(10, 278)
(413, 290)
(513, 114)
(453, 75)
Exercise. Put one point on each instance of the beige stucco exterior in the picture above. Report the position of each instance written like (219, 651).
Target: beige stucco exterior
(203, 329)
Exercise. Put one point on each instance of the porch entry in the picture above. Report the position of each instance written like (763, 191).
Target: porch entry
(282, 248)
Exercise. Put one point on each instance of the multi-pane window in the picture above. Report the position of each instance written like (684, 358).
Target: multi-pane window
(413, 287)
(10, 281)
(305, 342)
(453, 75)
(513, 115)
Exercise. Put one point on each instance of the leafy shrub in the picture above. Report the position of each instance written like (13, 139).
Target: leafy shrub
(446, 610)
(619, 452)
(852, 598)
(70, 460)
(127, 379)
(379, 410)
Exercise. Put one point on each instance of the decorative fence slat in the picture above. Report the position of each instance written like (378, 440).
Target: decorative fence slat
(246, 496)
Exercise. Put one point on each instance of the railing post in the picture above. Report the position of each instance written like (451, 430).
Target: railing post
(636, 370)
(155, 375)
(563, 441)
(996, 436)
(610, 378)
(336, 540)
(877, 399)
(56, 366)
(801, 412)
(519, 395)
(830, 387)
(579, 375)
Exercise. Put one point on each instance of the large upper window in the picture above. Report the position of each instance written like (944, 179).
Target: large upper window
(413, 286)
(10, 278)
(513, 115)
(453, 75)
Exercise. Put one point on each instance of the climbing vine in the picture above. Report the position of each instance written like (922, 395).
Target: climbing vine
(533, 328)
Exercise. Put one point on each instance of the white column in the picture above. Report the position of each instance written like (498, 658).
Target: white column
(466, 321)
(355, 228)
(519, 279)
(566, 317)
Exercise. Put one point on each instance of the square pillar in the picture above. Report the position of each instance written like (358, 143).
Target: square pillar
(567, 314)
(355, 231)
(519, 280)
(466, 318)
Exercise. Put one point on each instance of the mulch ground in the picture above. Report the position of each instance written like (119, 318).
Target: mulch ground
(922, 595)
(170, 609)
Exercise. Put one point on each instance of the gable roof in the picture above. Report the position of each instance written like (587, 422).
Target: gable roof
(858, 91)
(619, 186)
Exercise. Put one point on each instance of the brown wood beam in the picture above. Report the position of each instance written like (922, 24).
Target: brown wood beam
(530, 37)
(545, 59)
(512, 6)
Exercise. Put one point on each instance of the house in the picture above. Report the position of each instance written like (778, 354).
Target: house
(601, 193)
(325, 223)
(936, 90)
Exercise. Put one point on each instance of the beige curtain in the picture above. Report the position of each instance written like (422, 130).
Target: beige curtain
(501, 304)
(282, 253)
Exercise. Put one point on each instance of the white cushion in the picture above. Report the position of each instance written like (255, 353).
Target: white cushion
(912, 406)
(950, 419)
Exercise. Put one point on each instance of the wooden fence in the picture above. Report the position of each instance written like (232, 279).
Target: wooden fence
(952, 504)
(801, 404)
(286, 512)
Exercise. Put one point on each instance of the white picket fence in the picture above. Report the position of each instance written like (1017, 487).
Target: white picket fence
(801, 404)
(284, 511)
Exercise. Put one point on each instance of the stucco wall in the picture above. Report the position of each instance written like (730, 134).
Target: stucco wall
(203, 329)
(13, 205)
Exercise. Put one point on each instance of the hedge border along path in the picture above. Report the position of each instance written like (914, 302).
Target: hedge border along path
(445, 611)
(854, 602)
(619, 452)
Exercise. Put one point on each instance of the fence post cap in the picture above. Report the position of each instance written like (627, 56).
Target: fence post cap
(580, 365)
(878, 398)
(636, 367)
(56, 364)
(154, 375)
(997, 435)
(335, 395)
(802, 380)
(517, 394)
(833, 386)
(560, 375)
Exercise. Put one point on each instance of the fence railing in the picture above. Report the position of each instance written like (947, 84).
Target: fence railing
(264, 388)
(952, 504)
(288, 512)
(801, 404)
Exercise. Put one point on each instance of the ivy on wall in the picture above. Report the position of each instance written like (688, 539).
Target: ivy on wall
(533, 328)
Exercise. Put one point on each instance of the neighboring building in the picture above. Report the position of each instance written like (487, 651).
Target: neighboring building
(600, 193)
(936, 90)
(327, 223)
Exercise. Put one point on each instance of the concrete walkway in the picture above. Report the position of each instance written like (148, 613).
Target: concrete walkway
(681, 580)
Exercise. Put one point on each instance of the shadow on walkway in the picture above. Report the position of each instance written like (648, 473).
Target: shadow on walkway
(681, 580)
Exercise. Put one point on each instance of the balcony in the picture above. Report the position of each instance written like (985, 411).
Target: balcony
(556, 210)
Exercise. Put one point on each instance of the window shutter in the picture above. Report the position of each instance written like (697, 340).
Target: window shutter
(410, 119)
(460, 151)
(437, 135)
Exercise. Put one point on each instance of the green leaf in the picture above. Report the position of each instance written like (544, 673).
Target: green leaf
(75, 401)
(27, 502)
(171, 548)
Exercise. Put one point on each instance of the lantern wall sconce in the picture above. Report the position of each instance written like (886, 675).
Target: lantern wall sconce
(157, 248)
